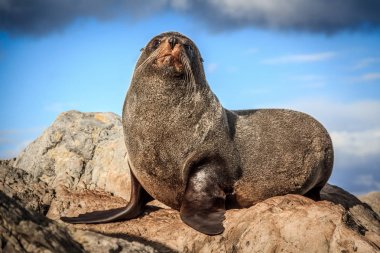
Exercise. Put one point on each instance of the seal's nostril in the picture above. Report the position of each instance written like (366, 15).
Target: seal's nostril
(172, 41)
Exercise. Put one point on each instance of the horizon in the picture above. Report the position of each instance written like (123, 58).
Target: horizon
(256, 56)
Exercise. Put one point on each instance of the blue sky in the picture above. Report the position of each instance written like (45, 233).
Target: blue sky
(256, 56)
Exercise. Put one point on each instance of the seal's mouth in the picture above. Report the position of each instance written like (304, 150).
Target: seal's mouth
(168, 60)
(169, 56)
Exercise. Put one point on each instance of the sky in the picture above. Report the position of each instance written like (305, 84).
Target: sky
(318, 57)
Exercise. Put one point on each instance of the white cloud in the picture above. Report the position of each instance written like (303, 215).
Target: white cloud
(364, 63)
(310, 81)
(300, 58)
(355, 131)
(368, 181)
(370, 76)
(303, 14)
(14, 150)
(357, 143)
(340, 116)
(13, 141)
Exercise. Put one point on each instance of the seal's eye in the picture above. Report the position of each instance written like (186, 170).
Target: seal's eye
(189, 50)
(156, 43)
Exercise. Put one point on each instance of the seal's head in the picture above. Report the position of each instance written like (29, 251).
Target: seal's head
(171, 55)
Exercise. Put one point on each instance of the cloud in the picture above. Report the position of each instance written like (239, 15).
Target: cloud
(364, 63)
(307, 15)
(310, 80)
(326, 16)
(368, 181)
(300, 58)
(370, 76)
(357, 143)
(14, 150)
(13, 141)
(341, 116)
(43, 16)
(358, 179)
(354, 128)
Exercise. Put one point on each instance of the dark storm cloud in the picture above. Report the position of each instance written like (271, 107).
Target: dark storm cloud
(326, 16)
(37, 17)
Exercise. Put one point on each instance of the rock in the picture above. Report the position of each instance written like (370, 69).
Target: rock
(80, 163)
(290, 223)
(95, 242)
(31, 193)
(80, 150)
(373, 200)
(359, 211)
(25, 231)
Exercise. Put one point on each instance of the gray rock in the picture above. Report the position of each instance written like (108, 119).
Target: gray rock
(25, 231)
(28, 230)
(31, 193)
(80, 150)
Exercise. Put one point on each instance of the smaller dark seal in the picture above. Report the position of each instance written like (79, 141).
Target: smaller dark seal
(193, 155)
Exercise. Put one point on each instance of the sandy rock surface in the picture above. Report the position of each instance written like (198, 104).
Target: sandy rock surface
(372, 199)
(290, 223)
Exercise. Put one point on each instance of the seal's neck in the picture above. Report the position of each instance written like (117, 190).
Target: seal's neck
(165, 88)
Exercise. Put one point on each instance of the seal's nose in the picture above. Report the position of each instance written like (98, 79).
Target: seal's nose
(172, 41)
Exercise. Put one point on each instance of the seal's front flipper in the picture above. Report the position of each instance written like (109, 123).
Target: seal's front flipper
(203, 206)
(139, 198)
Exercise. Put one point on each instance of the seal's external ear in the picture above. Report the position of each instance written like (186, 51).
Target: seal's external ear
(203, 206)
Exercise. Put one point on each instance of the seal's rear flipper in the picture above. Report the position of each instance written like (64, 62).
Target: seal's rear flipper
(203, 206)
(139, 198)
(100, 216)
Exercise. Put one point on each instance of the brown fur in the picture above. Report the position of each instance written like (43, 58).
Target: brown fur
(190, 153)
(173, 122)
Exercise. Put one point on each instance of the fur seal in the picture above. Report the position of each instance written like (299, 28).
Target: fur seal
(193, 155)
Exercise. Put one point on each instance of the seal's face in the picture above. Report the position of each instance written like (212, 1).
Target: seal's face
(171, 55)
